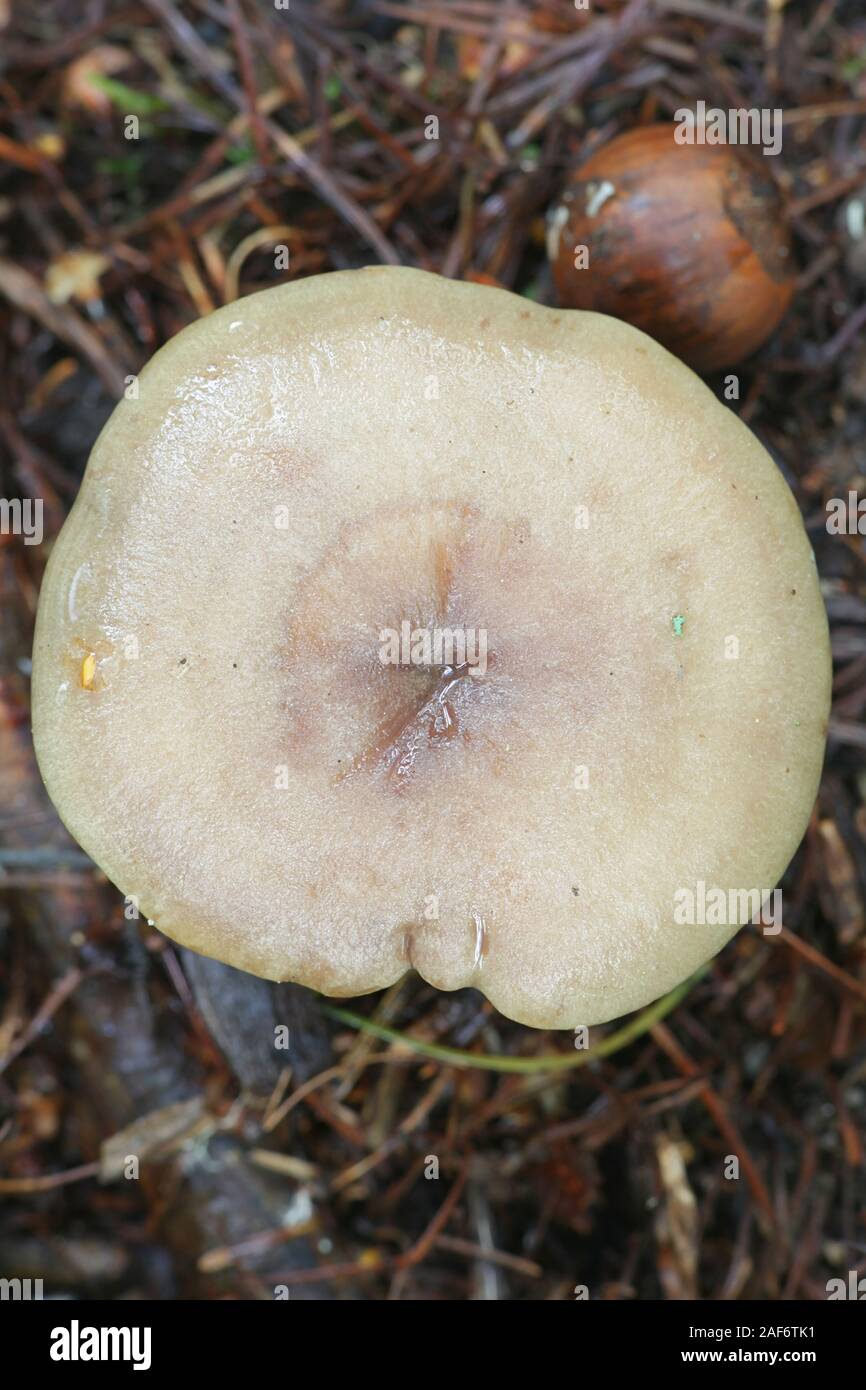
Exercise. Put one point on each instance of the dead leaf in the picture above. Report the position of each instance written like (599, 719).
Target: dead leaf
(75, 275)
(676, 1223)
(841, 899)
(158, 1132)
(102, 61)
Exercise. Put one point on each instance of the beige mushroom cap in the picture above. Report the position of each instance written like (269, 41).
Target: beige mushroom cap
(311, 467)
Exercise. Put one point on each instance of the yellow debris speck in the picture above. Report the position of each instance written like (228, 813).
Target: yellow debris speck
(88, 671)
(370, 1259)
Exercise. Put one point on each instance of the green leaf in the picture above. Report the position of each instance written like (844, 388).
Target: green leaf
(127, 99)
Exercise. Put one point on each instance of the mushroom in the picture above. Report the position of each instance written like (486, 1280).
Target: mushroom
(242, 713)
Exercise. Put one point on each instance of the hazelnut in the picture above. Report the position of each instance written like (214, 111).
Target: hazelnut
(687, 242)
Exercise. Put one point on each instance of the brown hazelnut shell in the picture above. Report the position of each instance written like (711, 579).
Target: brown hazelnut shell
(687, 242)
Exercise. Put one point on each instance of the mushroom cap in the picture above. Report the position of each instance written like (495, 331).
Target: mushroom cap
(322, 462)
